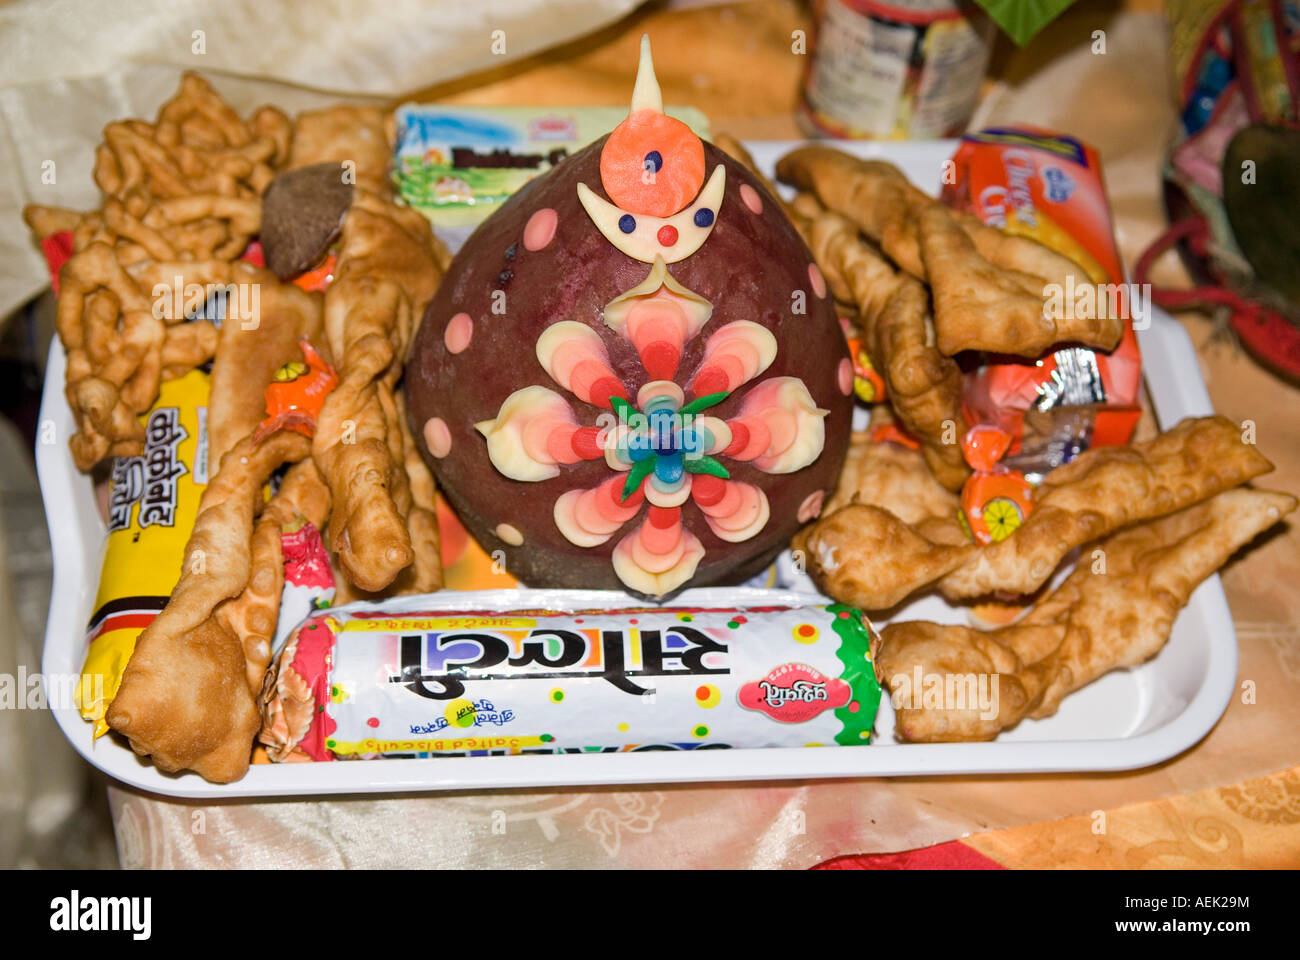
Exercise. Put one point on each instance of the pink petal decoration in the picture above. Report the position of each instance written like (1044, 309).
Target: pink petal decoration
(741, 513)
(817, 280)
(811, 507)
(750, 198)
(845, 376)
(658, 328)
(656, 560)
(588, 518)
(574, 356)
(734, 355)
(786, 432)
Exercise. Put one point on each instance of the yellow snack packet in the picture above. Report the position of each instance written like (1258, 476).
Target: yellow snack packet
(153, 501)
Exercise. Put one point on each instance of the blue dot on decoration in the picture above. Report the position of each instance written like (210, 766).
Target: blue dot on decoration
(654, 161)
(703, 217)
(627, 223)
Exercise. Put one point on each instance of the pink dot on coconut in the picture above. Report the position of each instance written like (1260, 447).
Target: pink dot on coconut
(437, 437)
(460, 329)
(540, 229)
(750, 198)
(845, 374)
(817, 280)
(811, 506)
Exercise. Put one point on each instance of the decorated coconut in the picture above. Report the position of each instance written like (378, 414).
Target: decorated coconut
(631, 376)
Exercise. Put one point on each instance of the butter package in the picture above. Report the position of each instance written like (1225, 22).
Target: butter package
(496, 673)
(153, 501)
(456, 165)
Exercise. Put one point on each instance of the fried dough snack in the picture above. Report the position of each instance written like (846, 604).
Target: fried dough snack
(343, 134)
(982, 302)
(422, 518)
(891, 476)
(924, 385)
(253, 615)
(185, 698)
(1105, 489)
(1093, 623)
(989, 286)
(181, 200)
(873, 194)
(387, 273)
(867, 556)
(251, 350)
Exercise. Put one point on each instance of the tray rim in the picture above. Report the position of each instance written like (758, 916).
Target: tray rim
(1168, 357)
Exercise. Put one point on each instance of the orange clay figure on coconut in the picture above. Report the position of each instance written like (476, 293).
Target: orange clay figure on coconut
(632, 376)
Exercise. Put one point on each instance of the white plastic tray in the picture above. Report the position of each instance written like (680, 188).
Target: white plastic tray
(1127, 719)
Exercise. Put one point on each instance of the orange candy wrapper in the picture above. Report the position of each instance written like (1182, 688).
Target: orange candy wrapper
(295, 397)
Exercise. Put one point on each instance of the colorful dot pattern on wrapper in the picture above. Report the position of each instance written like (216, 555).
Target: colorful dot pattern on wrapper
(708, 696)
(806, 633)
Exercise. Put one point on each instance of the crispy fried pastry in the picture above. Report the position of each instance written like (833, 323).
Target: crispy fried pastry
(990, 288)
(864, 277)
(114, 344)
(252, 616)
(865, 556)
(252, 349)
(892, 476)
(924, 386)
(1105, 489)
(387, 272)
(185, 697)
(1093, 623)
(181, 201)
(422, 518)
(873, 194)
(353, 135)
(368, 322)
(984, 302)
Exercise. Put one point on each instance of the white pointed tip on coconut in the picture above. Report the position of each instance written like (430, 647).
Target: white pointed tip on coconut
(646, 94)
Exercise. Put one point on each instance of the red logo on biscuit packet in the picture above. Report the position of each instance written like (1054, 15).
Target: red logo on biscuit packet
(794, 692)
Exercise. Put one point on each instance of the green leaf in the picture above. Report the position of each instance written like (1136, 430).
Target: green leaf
(639, 472)
(705, 464)
(1021, 19)
(704, 402)
(622, 408)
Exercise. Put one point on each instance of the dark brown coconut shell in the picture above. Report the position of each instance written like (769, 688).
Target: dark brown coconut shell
(749, 268)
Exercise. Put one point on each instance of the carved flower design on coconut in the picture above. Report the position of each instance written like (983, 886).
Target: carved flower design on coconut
(662, 449)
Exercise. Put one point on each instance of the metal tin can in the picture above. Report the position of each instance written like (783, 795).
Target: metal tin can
(908, 69)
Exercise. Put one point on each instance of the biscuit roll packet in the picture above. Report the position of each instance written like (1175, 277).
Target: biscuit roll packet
(153, 501)
(494, 673)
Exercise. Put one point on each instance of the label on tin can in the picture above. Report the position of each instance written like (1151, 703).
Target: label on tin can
(907, 69)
